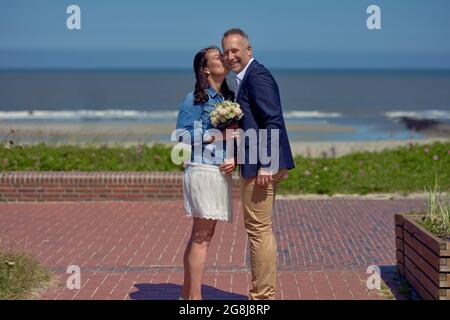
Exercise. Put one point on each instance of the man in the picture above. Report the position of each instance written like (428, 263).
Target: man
(258, 95)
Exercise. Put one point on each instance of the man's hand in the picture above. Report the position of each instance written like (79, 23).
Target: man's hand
(264, 177)
(281, 175)
(228, 166)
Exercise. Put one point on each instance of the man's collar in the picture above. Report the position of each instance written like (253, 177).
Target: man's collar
(241, 74)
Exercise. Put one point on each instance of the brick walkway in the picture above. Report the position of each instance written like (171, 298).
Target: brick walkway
(133, 250)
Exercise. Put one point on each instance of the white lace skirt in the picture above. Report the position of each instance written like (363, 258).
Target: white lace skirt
(207, 192)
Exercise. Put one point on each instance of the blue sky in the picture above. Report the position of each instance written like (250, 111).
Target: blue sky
(284, 34)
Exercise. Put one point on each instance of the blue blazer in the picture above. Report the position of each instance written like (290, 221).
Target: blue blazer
(259, 98)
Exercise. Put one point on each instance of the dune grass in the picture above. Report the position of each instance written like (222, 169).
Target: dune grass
(20, 274)
(437, 214)
(405, 169)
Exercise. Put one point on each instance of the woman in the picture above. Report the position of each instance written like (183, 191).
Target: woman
(207, 190)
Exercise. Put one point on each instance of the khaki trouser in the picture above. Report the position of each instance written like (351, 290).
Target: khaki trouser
(257, 205)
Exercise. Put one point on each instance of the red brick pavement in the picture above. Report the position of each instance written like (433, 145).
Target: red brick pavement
(133, 250)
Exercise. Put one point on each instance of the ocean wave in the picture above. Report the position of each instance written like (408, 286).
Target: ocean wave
(131, 115)
(87, 115)
(311, 114)
(424, 114)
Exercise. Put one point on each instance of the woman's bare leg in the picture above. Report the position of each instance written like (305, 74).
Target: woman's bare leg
(187, 274)
(195, 257)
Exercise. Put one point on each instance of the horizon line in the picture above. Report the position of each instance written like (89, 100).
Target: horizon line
(113, 68)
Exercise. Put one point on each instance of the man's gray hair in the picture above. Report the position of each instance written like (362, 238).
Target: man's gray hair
(236, 31)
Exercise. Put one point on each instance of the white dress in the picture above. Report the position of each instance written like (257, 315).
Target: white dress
(207, 192)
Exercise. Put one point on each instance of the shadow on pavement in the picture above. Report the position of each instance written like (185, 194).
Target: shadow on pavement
(170, 291)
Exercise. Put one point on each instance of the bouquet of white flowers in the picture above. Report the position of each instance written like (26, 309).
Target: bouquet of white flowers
(226, 114)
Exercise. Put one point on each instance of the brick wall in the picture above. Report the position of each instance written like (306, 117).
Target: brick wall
(92, 186)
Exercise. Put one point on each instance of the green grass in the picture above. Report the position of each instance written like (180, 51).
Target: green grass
(20, 274)
(405, 169)
(436, 218)
(386, 291)
(44, 157)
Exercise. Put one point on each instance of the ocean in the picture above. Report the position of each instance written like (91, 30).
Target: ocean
(367, 103)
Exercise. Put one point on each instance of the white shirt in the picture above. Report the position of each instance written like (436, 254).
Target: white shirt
(240, 75)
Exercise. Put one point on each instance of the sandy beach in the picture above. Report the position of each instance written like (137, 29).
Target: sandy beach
(340, 148)
(124, 130)
(132, 133)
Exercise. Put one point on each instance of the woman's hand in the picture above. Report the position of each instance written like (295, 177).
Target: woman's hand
(230, 132)
(228, 166)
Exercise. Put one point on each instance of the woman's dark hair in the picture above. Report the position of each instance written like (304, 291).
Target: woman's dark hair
(201, 81)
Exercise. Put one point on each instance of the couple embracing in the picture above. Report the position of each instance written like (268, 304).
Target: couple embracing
(207, 186)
